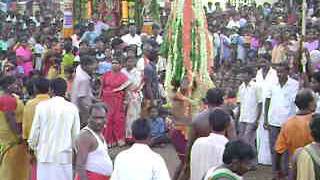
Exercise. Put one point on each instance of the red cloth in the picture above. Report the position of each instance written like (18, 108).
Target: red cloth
(180, 143)
(94, 176)
(115, 129)
(34, 171)
(7, 103)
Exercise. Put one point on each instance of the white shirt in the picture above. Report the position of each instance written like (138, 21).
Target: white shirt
(39, 49)
(75, 40)
(140, 65)
(159, 39)
(133, 40)
(81, 87)
(249, 97)
(205, 153)
(265, 84)
(99, 26)
(139, 163)
(282, 104)
(134, 76)
(34, 19)
(232, 23)
(55, 126)
(271, 77)
(212, 171)
(317, 98)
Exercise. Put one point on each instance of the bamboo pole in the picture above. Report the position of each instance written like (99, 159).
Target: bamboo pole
(303, 59)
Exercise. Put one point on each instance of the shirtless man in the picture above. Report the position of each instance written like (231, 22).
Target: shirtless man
(92, 158)
(200, 126)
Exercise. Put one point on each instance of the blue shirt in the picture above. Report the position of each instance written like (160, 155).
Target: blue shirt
(104, 67)
(90, 37)
(158, 127)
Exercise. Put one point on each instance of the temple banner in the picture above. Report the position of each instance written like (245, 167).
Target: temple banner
(67, 18)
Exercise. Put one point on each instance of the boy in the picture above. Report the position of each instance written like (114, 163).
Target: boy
(158, 128)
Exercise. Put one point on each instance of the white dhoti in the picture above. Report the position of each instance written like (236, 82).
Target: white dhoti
(263, 145)
(54, 171)
(133, 111)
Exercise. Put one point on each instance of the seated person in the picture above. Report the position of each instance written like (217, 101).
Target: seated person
(158, 128)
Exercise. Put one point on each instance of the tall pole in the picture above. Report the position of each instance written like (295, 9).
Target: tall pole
(303, 60)
(304, 13)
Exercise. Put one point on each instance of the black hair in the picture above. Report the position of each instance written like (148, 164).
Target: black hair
(91, 24)
(316, 76)
(303, 99)
(249, 70)
(152, 43)
(58, 86)
(6, 81)
(116, 42)
(42, 85)
(35, 72)
(219, 120)
(68, 46)
(86, 60)
(214, 96)
(155, 26)
(284, 65)
(84, 42)
(69, 69)
(315, 127)
(140, 129)
(98, 106)
(238, 150)
(152, 107)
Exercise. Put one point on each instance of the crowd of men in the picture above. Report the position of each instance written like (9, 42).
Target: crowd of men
(65, 102)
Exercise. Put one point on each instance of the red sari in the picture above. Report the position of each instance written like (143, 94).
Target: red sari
(115, 129)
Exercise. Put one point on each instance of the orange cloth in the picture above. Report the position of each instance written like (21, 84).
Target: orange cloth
(295, 133)
(278, 54)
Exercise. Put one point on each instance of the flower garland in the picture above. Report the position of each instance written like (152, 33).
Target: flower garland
(188, 48)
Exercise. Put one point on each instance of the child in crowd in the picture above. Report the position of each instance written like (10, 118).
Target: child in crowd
(68, 56)
(69, 76)
(158, 128)
(39, 51)
(104, 64)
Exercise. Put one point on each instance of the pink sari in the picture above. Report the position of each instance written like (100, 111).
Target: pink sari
(115, 129)
(26, 56)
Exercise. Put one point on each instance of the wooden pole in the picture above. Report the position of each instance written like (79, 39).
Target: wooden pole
(303, 59)
(304, 13)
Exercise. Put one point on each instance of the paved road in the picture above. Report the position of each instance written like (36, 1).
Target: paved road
(169, 154)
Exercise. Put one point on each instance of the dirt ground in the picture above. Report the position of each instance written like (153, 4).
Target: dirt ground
(169, 154)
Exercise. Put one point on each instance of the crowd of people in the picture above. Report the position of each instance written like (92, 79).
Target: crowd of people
(65, 102)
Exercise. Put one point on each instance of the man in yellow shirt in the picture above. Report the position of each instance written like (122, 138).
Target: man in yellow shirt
(41, 86)
(306, 162)
(14, 162)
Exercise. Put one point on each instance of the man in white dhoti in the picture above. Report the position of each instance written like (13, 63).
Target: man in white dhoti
(55, 127)
(266, 77)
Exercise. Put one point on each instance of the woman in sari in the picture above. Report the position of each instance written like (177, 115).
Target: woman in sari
(13, 153)
(24, 57)
(237, 160)
(113, 84)
(133, 95)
